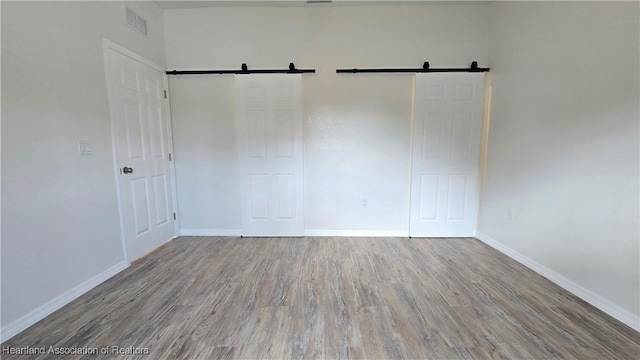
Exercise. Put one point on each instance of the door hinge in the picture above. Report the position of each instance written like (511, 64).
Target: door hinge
(169, 156)
(174, 216)
(165, 94)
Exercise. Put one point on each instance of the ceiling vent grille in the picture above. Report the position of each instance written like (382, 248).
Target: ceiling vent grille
(136, 21)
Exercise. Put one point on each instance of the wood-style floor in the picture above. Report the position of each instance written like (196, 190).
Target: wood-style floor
(331, 298)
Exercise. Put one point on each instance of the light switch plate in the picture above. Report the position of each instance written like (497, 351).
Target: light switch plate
(85, 148)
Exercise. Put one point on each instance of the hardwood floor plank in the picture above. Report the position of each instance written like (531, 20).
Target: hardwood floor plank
(269, 337)
(342, 328)
(418, 336)
(307, 337)
(380, 340)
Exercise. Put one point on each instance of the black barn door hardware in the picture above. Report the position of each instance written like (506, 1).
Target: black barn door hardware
(243, 70)
(424, 69)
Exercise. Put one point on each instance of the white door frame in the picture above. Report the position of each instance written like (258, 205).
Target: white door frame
(108, 45)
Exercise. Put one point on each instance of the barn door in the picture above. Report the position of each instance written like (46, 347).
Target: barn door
(446, 154)
(269, 115)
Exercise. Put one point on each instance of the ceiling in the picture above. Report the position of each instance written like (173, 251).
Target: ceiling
(187, 4)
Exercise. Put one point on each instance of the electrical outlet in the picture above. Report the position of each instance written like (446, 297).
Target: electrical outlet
(364, 203)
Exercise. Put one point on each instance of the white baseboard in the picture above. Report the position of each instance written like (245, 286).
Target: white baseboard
(349, 233)
(43, 311)
(587, 295)
(358, 233)
(210, 232)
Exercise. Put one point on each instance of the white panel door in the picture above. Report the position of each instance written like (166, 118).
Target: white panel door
(448, 109)
(141, 143)
(269, 114)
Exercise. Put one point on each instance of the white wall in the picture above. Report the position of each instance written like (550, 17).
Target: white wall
(563, 146)
(60, 225)
(356, 127)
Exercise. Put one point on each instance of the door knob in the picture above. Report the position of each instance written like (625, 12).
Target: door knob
(127, 170)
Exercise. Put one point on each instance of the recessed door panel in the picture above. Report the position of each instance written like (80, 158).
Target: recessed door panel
(433, 91)
(140, 203)
(129, 79)
(285, 143)
(254, 92)
(162, 207)
(258, 197)
(284, 91)
(456, 197)
(432, 135)
(152, 88)
(428, 197)
(286, 196)
(256, 134)
(135, 145)
(156, 130)
(461, 134)
(463, 92)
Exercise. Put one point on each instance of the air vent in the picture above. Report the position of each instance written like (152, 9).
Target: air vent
(142, 25)
(131, 18)
(135, 21)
